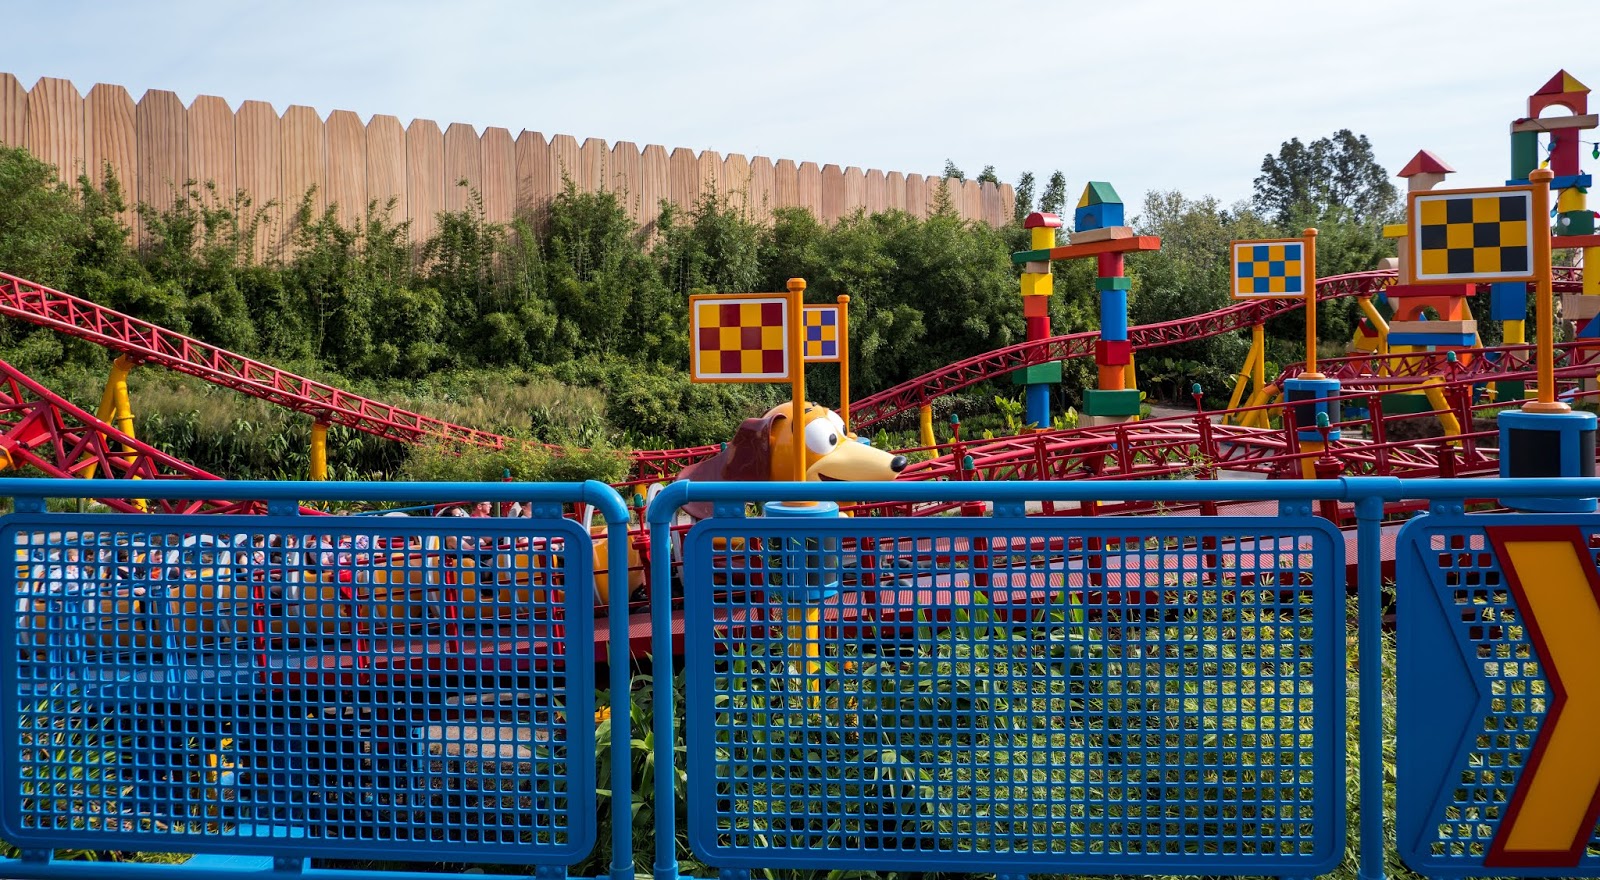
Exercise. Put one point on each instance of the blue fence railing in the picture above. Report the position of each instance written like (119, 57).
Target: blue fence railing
(1002, 693)
(378, 689)
(987, 692)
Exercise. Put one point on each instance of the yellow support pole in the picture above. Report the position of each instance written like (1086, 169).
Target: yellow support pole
(1378, 323)
(925, 425)
(1447, 418)
(1247, 370)
(1130, 380)
(1545, 287)
(844, 360)
(1258, 340)
(319, 451)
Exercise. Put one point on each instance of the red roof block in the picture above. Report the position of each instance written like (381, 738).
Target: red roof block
(1039, 218)
(1425, 162)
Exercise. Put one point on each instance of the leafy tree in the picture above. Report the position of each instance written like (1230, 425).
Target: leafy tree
(952, 172)
(1023, 205)
(987, 175)
(1054, 198)
(1305, 182)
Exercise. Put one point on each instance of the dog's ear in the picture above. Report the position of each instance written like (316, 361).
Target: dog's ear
(748, 457)
(750, 453)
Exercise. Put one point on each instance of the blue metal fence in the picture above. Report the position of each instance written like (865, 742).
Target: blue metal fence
(989, 692)
(1002, 693)
(297, 687)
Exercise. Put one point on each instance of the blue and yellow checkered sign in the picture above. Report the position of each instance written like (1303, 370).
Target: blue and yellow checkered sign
(822, 334)
(1269, 269)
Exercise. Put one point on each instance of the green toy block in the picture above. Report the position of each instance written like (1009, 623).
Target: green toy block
(1021, 257)
(1405, 404)
(1111, 403)
(1524, 154)
(1038, 374)
(1120, 283)
(1506, 391)
(1099, 192)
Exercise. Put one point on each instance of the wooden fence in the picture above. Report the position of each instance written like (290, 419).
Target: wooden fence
(157, 142)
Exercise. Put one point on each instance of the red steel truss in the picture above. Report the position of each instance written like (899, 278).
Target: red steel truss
(41, 430)
(145, 342)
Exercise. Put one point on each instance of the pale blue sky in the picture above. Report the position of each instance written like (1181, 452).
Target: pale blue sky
(1148, 94)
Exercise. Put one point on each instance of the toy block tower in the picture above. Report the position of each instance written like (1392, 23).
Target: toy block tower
(1574, 222)
(1099, 232)
(1037, 286)
(1452, 325)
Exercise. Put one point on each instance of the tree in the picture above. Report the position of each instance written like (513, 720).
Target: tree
(1055, 194)
(987, 175)
(952, 172)
(1024, 202)
(1329, 177)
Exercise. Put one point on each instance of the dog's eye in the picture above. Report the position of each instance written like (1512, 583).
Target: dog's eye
(821, 437)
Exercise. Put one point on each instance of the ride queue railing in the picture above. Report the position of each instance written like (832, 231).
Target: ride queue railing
(266, 690)
(999, 693)
(986, 692)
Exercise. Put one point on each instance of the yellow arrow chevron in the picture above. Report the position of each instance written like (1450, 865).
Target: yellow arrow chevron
(1557, 801)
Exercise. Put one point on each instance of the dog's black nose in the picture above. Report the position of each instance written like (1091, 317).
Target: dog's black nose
(897, 464)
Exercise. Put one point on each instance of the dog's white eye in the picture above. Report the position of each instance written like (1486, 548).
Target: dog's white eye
(821, 437)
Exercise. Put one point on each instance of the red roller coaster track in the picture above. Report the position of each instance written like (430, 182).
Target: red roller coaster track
(145, 342)
(40, 429)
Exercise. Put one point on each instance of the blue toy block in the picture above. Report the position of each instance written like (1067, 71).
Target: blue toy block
(1097, 217)
(1508, 301)
(1114, 314)
(1591, 329)
(1038, 405)
(1565, 181)
(1448, 339)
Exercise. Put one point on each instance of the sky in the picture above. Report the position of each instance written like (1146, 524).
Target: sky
(1185, 95)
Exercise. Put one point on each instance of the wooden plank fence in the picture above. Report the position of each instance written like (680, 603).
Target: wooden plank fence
(157, 143)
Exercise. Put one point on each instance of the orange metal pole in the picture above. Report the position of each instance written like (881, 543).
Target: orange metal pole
(1545, 296)
(797, 373)
(1311, 305)
(844, 360)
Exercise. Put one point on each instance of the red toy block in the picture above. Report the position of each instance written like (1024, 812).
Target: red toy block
(1110, 266)
(1039, 218)
(1113, 352)
(1039, 327)
(1035, 306)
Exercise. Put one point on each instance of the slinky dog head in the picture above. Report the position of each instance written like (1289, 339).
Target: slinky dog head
(763, 449)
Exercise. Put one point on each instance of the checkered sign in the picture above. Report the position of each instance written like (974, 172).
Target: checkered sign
(739, 337)
(822, 334)
(1269, 269)
(1472, 235)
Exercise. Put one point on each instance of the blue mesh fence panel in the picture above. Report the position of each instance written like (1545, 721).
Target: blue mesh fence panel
(335, 687)
(1016, 695)
(1479, 699)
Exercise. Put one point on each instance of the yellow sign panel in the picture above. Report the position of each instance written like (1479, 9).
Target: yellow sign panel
(739, 337)
(1472, 235)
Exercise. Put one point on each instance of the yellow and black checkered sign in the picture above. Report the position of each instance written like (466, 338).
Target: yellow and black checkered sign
(739, 338)
(1472, 235)
(822, 334)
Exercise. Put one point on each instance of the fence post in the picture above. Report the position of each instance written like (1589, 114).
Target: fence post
(1369, 652)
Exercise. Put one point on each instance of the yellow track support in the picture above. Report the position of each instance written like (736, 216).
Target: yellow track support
(925, 424)
(1253, 370)
(1447, 418)
(1371, 311)
(319, 451)
(115, 408)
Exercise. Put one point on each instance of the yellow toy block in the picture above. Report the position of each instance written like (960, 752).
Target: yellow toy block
(1591, 280)
(1394, 230)
(1042, 238)
(1034, 284)
(1570, 199)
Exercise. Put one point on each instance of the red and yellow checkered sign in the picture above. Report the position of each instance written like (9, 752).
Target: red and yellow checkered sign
(739, 337)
